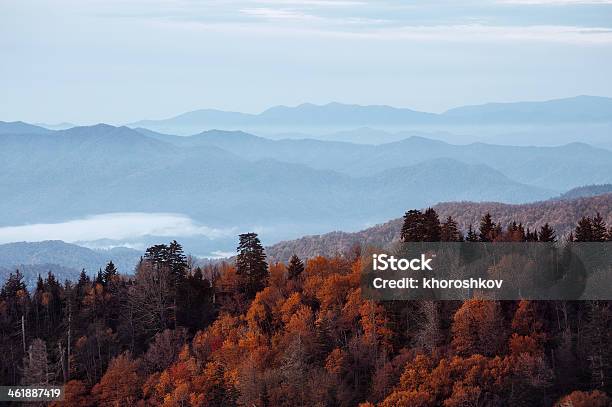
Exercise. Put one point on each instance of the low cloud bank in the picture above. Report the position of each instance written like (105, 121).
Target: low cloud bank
(113, 226)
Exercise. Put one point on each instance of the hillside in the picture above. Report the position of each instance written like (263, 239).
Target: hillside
(561, 215)
(63, 259)
(586, 191)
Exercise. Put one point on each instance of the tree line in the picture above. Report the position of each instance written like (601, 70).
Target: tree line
(425, 226)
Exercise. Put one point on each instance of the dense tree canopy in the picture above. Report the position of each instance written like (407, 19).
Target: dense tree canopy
(259, 334)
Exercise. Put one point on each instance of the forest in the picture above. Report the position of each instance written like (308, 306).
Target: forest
(299, 333)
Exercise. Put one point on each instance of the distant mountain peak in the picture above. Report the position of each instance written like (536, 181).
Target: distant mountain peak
(19, 127)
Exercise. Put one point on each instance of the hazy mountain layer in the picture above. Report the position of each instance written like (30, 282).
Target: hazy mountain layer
(559, 168)
(102, 169)
(580, 109)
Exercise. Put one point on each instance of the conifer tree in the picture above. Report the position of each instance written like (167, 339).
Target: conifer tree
(251, 264)
(598, 229)
(449, 231)
(295, 267)
(547, 234)
(177, 260)
(413, 229)
(12, 286)
(531, 236)
(471, 235)
(99, 277)
(432, 226)
(110, 271)
(487, 228)
(584, 230)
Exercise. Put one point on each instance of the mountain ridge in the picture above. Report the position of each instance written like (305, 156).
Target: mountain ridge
(562, 215)
(571, 109)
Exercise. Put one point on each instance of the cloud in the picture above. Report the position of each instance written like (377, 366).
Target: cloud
(113, 226)
(218, 254)
(556, 2)
(313, 3)
(279, 14)
(283, 23)
(490, 33)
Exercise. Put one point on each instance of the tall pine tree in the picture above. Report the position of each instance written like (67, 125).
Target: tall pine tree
(449, 232)
(598, 229)
(413, 229)
(432, 226)
(487, 228)
(584, 230)
(251, 264)
(547, 234)
(471, 235)
(110, 271)
(295, 267)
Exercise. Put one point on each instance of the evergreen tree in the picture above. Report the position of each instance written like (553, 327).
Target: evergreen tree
(584, 230)
(251, 264)
(431, 222)
(110, 271)
(598, 229)
(531, 236)
(450, 232)
(471, 235)
(177, 260)
(547, 234)
(82, 285)
(413, 229)
(295, 267)
(99, 277)
(170, 256)
(12, 286)
(487, 228)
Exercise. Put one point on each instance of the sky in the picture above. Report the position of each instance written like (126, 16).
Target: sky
(118, 61)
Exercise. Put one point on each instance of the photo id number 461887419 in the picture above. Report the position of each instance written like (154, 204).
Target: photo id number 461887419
(31, 393)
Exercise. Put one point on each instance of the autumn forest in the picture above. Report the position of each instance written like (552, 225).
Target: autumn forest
(299, 333)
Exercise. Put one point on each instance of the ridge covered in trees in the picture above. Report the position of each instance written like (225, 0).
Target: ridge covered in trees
(562, 216)
(258, 333)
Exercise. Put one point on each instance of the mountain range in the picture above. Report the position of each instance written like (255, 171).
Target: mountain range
(558, 168)
(574, 109)
(234, 179)
(221, 182)
(219, 178)
(578, 109)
